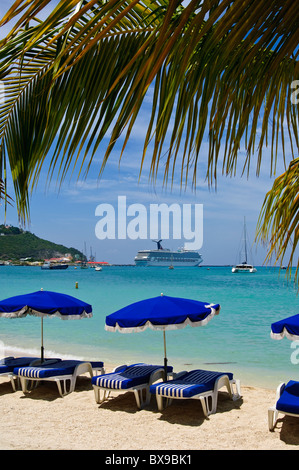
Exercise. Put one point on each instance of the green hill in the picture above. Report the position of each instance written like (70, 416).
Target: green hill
(16, 243)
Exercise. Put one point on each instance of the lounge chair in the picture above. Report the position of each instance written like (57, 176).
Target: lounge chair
(7, 365)
(136, 378)
(60, 372)
(198, 384)
(287, 402)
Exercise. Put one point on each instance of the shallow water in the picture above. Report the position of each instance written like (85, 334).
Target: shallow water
(237, 340)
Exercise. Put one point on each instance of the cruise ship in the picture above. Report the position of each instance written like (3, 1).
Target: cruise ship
(165, 257)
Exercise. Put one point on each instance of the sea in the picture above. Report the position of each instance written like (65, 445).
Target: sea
(237, 340)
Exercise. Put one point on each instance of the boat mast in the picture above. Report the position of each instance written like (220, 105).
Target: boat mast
(245, 246)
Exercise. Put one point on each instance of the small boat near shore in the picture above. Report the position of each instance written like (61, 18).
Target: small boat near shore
(48, 265)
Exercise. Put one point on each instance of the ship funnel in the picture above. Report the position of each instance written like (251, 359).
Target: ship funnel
(159, 246)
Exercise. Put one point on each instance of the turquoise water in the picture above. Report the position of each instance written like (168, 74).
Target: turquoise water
(238, 340)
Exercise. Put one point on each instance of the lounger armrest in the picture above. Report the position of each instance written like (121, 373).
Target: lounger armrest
(279, 390)
(272, 411)
(37, 362)
(8, 358)
(120, 368)
(179, 374)
(82, 368)
(156, 375)
(222, 381)
(159, 374)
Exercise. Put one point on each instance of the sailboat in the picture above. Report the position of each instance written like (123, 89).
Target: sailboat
(244, 267)
(171, 266)
(84, 264)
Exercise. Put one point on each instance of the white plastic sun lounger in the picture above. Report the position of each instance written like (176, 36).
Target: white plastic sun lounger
(136, 378)
(7, 365)
(287, 402)
(197, 384)
(60, 372)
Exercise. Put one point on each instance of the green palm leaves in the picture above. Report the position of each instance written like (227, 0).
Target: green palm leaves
(279, 219)
(220, 70)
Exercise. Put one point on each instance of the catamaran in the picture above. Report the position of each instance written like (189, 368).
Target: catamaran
(244, 267)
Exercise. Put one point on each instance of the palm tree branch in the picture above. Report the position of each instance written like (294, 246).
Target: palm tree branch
(219, 69)
(279, 217)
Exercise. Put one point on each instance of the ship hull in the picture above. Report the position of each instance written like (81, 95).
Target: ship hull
(59, 266)
(161, 258)
(244, 269)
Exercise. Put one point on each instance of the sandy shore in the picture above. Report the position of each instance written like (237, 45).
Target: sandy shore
(42, 420)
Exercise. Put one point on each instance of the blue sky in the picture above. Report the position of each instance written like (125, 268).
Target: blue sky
(67, 216)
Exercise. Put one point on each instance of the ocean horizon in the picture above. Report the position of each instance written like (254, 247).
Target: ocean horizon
(237, 340)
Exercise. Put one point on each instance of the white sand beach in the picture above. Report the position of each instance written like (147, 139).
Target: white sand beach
(42, 420)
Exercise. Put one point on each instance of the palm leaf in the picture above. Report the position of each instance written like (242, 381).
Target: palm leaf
(219, 68)
(279, 217)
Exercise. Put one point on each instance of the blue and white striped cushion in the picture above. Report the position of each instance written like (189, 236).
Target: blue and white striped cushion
(128, 377)
(190, 384)
(66, 367)
(96, 364)
(8, 364)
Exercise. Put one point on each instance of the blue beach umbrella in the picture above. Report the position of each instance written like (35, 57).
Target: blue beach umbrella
(161, 313)
(45, 304)
(289, 328)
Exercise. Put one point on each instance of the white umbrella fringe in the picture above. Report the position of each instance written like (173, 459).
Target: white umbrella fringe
(284, 334)
(23, 312)
(174, 326)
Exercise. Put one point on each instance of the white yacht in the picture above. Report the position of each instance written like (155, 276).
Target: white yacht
(244, 267)
(165, 257)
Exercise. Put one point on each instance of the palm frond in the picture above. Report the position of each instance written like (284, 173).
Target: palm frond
(279, 218)
(220, 68)
(23, 113)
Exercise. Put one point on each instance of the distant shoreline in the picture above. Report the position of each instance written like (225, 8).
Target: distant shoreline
(134, 265)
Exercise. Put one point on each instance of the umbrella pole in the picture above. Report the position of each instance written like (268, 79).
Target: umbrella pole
(165, 358)
(42, 340)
